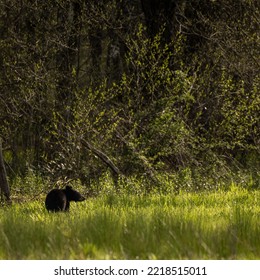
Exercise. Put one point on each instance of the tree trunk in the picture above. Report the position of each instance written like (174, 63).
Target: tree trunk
(3, 177)
(159, 14)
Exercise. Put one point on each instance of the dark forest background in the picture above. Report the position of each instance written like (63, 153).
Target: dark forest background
(130, 88)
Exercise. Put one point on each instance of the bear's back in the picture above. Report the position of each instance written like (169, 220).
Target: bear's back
(56, 200)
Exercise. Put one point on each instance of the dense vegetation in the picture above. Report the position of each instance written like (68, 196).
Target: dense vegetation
(150, 90)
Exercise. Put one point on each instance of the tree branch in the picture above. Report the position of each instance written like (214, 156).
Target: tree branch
(102, 156)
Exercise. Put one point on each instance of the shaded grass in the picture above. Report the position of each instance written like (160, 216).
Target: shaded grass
(206, 225)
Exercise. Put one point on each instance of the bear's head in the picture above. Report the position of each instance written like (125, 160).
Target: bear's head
(73, 195)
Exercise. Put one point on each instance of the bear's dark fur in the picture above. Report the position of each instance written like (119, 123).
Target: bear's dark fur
(59, 200)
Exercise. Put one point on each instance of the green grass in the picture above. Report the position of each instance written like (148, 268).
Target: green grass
(205, 225)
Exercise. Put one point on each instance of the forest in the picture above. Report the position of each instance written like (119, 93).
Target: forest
(130, 91)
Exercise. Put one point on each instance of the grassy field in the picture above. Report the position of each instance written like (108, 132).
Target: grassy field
(205, 225)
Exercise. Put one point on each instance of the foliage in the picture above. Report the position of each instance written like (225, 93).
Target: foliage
(155, 89)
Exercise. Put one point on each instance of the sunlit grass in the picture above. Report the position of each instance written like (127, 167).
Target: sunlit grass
(206, 225)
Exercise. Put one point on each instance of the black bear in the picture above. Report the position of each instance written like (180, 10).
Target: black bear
(59, 200)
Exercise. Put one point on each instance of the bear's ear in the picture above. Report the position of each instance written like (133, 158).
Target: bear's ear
(68, 188)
